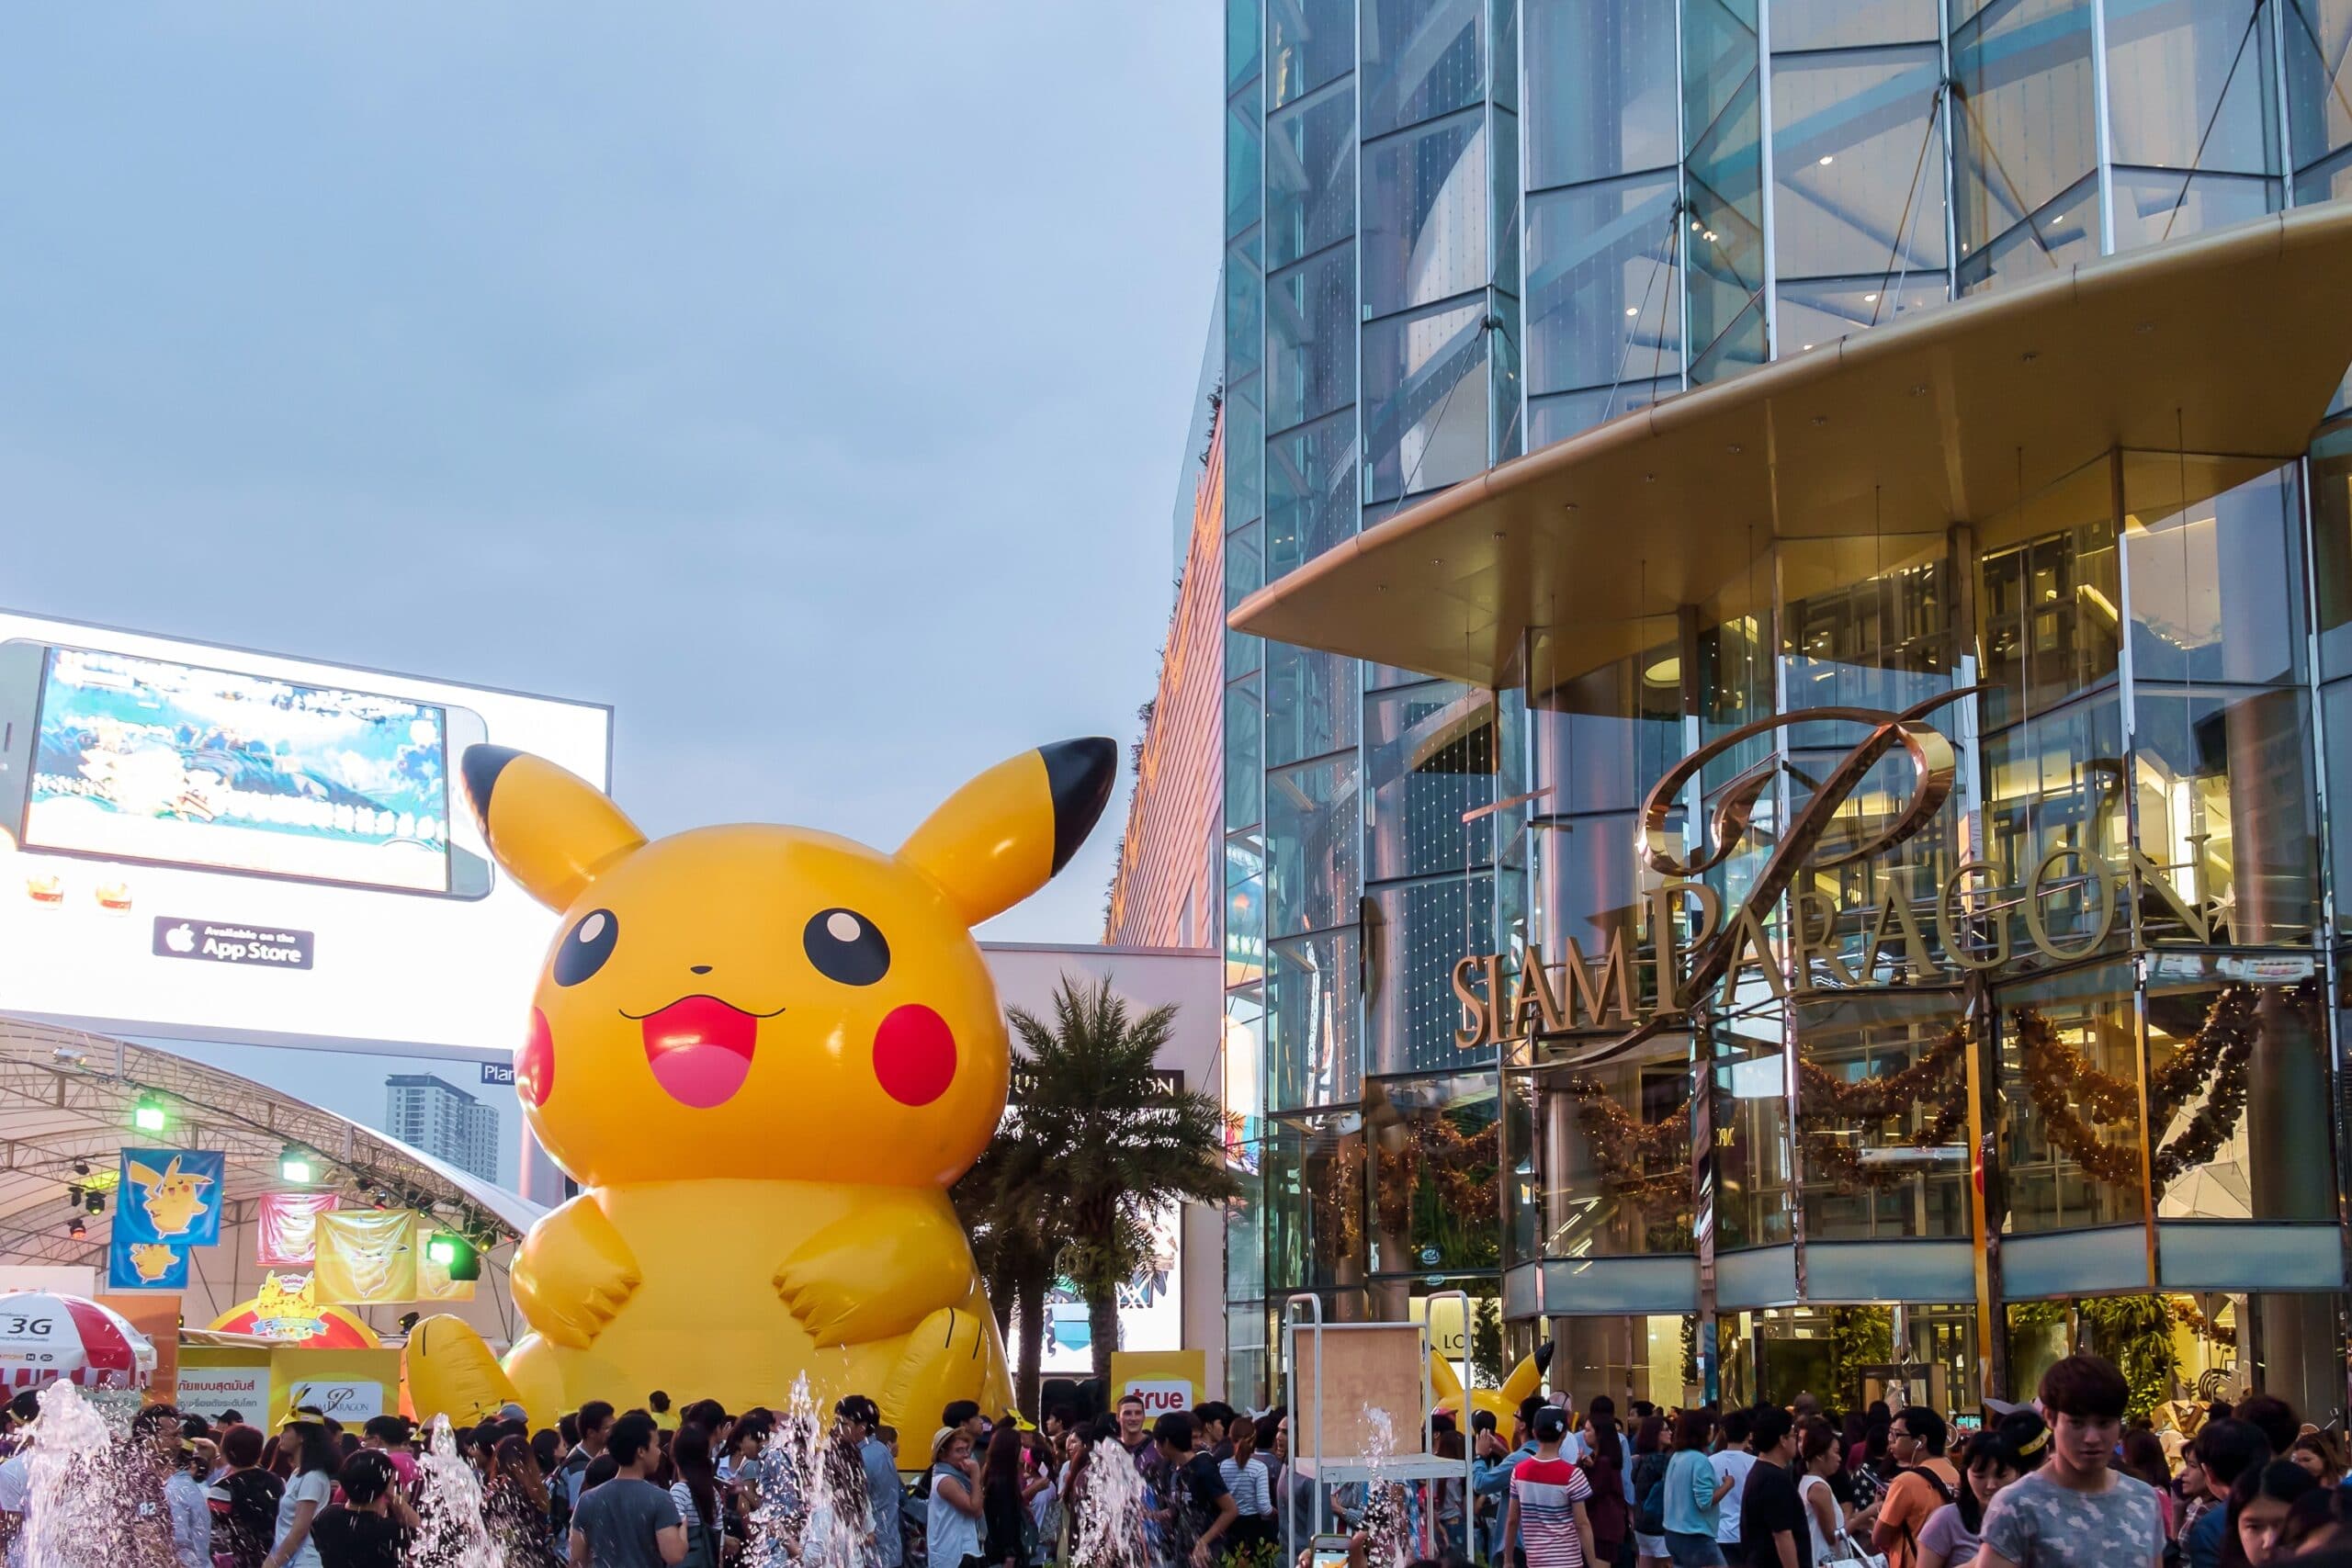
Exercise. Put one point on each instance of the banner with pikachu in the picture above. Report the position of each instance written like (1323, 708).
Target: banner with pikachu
(365, 1257)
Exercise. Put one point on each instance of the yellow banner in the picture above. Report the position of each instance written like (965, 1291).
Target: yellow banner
(367, 1256)
(349, 1385)
(433, 1282)
(1167, 1381)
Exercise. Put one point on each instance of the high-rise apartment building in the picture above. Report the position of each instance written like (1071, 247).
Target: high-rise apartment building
(428, 1114)
(1460, 231)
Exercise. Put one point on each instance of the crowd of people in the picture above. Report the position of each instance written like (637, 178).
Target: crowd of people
(2064, 1482)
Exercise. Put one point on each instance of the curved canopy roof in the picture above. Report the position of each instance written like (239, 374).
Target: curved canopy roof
(2228, 344)
(67, 1097)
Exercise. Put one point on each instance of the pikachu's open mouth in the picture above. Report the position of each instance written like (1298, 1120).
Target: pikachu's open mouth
(700, 1049)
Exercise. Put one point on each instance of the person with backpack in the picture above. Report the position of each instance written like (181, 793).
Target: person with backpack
(1649, 1485)
(1926, 1481)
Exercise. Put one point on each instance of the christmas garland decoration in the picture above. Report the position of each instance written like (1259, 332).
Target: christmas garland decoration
(2185, 1312)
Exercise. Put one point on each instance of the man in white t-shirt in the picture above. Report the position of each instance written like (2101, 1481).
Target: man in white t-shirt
(1732, 1463)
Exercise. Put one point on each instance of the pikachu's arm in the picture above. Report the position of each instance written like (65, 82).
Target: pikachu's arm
(879, 1271)
(573, 1273)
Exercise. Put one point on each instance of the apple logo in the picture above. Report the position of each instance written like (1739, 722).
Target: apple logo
(180, 939)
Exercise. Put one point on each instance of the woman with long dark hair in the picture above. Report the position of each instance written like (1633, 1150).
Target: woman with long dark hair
(245, 1519)
(1650, 1461)
(2017, 1447)
(1003, 1510)
(515, 1504)
(1078, 1451)
(2260, 1506)
(695, 1494)
(306, 1494)
(1604, 1467)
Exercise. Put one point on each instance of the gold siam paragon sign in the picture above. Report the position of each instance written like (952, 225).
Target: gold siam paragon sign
(1972, 929)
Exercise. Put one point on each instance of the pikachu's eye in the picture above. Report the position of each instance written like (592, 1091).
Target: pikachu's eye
(846, 947)
(586, 947)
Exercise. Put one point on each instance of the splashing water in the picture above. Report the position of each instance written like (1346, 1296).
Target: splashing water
(1110, 1511)
(452, 1534)
(813, 1510)
(72, 1515)
(1385, 1513)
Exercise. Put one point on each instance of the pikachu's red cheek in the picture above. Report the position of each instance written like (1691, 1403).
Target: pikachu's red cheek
(915, 1054)
(535, 1062)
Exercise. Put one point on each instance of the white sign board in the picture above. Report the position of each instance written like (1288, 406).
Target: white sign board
(352, 1402)
(213, 1391)
(204, 843)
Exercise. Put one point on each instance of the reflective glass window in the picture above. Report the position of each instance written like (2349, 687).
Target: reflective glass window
(1243, 753)
(1602, 89)
(2330, 469)
(1857, 155)
(1311, 1043)
(1842, 24)
(2025, 112)
(2217, 588)
(1245, 162)
(1311, 492)
(2056, 235)
(2237, 1097)
(1751, 1127)
(1311, 339)
(1564, 414)
(1309, 42)
(1593, 884)
(1603, 302)
(2068, 1079)
(2052, 615)
(1883, 1094)
(1245, 39)
(2156, 205)
(1245, 907)
(2227, 805)
(1424, 928)
(1244, 1075)
(2189, 85)
(1603, 738)
(1245, 317)
(1724, 251)
(2319, 77)
(1425, 399)
(1315, 1186)
(1310, 703)
(1609, 1156)
(1436, 1204)
(1425, 214)
(1821, 310)
(2335, 712)
(1430, 756)
(1310, 158)
(1245, 572)
(2055, 781)
(1312, 853)
(1719, 62)
(1422, 59)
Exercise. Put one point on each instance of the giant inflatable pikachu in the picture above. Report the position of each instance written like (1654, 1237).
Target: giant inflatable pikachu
(765, 1053)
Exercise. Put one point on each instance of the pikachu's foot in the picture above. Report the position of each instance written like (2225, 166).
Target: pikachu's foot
(947, 1358)
(451, 1373)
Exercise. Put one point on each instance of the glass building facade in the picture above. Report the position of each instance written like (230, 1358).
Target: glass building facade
(1460, 228)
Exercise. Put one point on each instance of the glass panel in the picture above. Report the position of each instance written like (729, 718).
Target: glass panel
(2065, 231)
(2057, 781)
(1430, 756)
(1436, 1206)
(1309, 42)
(1425, 928)
(2238, 1096)
(2326, 181)
(1564, 414)
(1245, 909)
(1751, 1128)
(1245, 316)
(2217, 590)
(2154, 204)
(1243, 777)
(1310, 177)
(1727, 258)
(1310, 703)
(1425, 397)
(1739, 346)
(1247, 1363)
(1858, 154)
(1245, 572)
(1311, 339)
(1311, 846)
(1422, 59)
(1601, 88)
(1245, 162)
(1823, 311)
(1425, 215)
(1604, 304)
(2319, 77)
(1610, 1157)
(1603, 738)
(2336, 709)
(1244, 1077)
(2051, 627)
(2226, 805)
(1314, 1202)
(1503, 208)
(1311, 1045)
(1593, 885)
(1245, 36)
(1842, 24)
(2068, 1079)
(2026, 112)
(1719, 59)
(1310, 492)
(2331, 465)
(2189, 85)
(1883, 1093)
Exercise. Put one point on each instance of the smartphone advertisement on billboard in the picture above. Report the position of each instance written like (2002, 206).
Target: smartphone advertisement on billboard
(208, 843)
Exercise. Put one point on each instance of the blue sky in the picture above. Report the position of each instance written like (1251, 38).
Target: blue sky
(807, 382)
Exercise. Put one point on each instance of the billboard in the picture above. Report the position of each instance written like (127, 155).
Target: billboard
(1151, 1307)
(206, 843)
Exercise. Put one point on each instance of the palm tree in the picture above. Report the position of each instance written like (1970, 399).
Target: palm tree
(1124, 1145)
(1012, 1209)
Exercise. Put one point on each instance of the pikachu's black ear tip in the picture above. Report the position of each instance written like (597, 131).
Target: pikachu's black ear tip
(480, 768)
(1080, 775)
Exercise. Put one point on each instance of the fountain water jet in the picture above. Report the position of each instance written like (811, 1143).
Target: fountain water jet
(453, 1534)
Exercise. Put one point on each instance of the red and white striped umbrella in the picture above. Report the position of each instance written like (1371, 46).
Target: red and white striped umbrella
(45, 1337)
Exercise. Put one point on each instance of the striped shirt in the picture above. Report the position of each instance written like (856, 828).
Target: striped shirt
(1547, 1492)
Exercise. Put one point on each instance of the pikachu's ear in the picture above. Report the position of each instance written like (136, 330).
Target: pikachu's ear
(996, 840)
(553, 832)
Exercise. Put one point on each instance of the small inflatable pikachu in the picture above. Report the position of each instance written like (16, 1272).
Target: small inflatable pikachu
(765, 1053)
